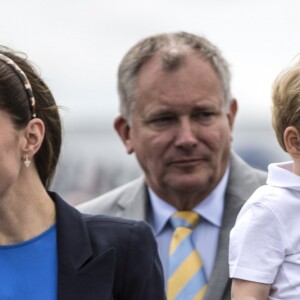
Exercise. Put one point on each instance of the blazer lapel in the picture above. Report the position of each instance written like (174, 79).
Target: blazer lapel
(219, 281)
(241, 184)
(81, 274)
(133, 203)
(93, 281)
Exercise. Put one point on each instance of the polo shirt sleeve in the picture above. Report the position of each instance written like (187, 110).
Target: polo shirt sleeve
(257, 245)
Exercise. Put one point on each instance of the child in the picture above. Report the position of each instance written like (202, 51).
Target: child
(264, 250)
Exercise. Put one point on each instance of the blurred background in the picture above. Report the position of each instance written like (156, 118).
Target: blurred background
(78, 44)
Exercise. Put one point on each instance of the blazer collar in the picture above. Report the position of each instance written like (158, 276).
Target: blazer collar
(74, 246)
(134, 201)
(240, 180)
(82, 273)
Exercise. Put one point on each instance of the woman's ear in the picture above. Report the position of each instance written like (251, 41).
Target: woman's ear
(292, 141)
(34, 133)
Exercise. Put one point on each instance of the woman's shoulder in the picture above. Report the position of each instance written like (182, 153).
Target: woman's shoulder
(106, 220)
(118, 230)
(103, 230)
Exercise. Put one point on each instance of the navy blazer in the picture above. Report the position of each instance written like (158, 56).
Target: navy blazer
(105, 258)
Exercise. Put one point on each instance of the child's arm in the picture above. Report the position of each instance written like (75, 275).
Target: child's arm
(249, 290)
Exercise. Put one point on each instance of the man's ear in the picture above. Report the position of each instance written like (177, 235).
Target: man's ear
(123, 129)
(232, 112)
(34, 133)
(291, 138)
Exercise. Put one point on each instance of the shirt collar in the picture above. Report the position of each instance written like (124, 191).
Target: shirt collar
(282, 175)
(211, 208)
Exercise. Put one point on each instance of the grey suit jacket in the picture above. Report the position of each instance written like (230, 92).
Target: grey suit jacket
(131, 201)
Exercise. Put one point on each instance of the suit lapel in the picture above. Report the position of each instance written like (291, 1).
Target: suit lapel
(81, 273)
(219, 280)
(134, 201)
(93, 281)
(241, 184)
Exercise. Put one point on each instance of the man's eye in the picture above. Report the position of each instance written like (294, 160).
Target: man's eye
(204, 116)
(162, 120)
(207, 114)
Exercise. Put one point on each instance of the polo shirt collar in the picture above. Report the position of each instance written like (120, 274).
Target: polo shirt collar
(282, 175)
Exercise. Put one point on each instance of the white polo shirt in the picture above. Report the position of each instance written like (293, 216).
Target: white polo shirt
(265, 241)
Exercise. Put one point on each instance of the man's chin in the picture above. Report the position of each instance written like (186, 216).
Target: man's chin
(189, 183)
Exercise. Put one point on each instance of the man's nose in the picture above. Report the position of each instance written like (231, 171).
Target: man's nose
(186, 135)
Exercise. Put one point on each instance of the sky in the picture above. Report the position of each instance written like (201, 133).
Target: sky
(78, 44)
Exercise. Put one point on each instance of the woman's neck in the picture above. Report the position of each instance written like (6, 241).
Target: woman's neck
(25, 213)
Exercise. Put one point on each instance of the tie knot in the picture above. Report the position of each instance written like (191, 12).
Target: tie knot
(186, 218)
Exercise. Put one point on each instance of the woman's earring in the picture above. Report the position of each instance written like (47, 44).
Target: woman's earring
(26, 161)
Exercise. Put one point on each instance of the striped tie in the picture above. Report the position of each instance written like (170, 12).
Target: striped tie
(187, 280)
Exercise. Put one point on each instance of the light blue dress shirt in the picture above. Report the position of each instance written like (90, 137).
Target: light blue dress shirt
(206, 233)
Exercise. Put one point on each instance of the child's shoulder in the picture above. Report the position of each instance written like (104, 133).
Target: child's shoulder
(279, 201)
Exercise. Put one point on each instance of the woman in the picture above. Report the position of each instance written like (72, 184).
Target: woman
(48, 250)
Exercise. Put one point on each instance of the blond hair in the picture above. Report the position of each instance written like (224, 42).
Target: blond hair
(286, 101)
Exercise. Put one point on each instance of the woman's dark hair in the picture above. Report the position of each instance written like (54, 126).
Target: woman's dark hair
(15, 101)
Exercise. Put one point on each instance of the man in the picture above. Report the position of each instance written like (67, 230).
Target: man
(177, 116)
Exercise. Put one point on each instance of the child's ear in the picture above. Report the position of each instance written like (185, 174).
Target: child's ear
(292, 141)
(34, 135)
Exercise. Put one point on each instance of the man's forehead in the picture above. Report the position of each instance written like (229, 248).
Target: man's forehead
(184, 107)
(172, 58)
